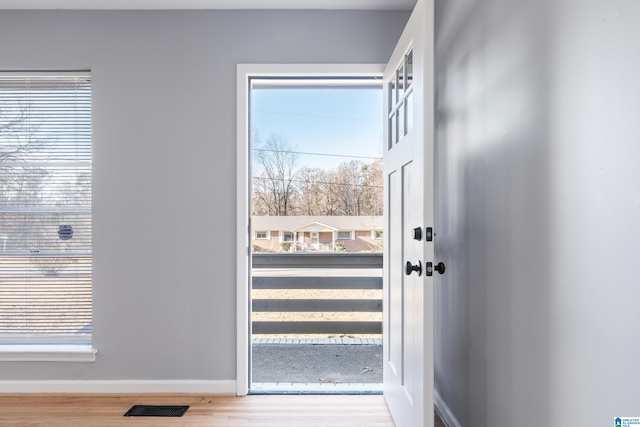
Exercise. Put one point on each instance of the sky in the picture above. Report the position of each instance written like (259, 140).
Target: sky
(340, 122)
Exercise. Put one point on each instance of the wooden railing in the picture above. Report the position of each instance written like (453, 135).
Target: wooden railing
(343, 272)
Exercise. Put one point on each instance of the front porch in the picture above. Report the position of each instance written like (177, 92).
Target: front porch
(315, 237)
(305, 245)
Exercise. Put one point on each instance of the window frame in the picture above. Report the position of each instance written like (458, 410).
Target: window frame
(351, 235)
(267, 235)
(283, 236)
(52, 345)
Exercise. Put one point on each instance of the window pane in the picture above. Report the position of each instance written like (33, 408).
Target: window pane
(393, 95)
(52, 306)
(393, 129)
(25, 233)
(30, 185)
(45, 209)
(400, 78)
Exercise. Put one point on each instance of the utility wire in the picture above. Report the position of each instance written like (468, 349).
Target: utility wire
(262, 178)
(322, 117)
(318, 154)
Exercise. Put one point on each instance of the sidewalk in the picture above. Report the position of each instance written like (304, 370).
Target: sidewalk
(317, 364)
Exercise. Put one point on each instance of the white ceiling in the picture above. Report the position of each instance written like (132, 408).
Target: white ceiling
(207, 4)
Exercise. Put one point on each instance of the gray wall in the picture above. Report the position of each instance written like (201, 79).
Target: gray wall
(164, 110)
(538, 214)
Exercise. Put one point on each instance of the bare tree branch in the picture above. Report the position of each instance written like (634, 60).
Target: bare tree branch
(278, 161)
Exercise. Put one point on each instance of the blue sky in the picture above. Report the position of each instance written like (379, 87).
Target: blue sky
(344, 121)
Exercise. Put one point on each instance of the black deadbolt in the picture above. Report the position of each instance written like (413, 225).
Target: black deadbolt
(417, 233)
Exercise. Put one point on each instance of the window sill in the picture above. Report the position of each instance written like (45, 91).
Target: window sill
(47, 353)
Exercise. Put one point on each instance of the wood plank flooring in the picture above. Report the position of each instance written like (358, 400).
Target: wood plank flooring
(90, 410)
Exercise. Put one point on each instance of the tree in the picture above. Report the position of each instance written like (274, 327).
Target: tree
(18, 141)
(281, 189)
(275, 184)
(20, 183)
(357, 187)
(374, 204)
(311, 195)
(26, 180)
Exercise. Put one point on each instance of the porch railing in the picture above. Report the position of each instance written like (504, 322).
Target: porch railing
(322, 271)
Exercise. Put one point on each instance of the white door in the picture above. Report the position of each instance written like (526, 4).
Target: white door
(408, 162)
(314, 241)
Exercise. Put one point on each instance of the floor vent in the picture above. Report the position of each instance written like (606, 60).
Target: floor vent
(156, 411)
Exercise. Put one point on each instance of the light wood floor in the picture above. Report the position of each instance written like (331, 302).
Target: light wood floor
(84, 410)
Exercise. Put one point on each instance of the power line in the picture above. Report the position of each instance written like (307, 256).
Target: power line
(318, 154)
(319, 116)
(317, 182)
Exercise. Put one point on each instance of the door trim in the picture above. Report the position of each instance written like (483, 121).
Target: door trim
(244, 73)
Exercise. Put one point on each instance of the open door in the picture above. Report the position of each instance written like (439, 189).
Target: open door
(409, 251)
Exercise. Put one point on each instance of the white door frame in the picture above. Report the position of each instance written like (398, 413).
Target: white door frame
(243, 242)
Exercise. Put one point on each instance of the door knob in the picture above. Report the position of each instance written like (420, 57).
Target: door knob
(409, 268)
(440, 268)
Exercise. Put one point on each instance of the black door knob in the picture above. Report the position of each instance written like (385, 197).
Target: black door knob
(409, 268)
(440, 268)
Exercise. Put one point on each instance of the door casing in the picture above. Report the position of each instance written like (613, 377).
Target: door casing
(243, 227)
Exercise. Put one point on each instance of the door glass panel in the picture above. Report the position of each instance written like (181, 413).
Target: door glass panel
(401, 123)
(409, 59)
(394, 93)
(394, 130)
(408, 114)
(400, 77)
(401, 100)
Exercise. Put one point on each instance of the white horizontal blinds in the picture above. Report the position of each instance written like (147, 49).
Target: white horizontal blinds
(45, 208)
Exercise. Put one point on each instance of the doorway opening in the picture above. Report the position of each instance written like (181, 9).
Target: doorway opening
(315, 236)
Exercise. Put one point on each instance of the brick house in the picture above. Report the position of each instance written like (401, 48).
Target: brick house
(317, 233)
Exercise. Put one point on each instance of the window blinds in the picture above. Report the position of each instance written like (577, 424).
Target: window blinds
(45, 208)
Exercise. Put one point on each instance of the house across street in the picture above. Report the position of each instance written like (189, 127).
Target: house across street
(316, 233)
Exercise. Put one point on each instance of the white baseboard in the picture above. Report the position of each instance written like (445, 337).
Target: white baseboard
(120, 386)
(47, 353)
(444, 411)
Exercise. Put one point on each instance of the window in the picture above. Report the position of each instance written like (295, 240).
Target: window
(401, 101)
(287, 236)
(262, 235)
(45, 209)
(344, 235)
